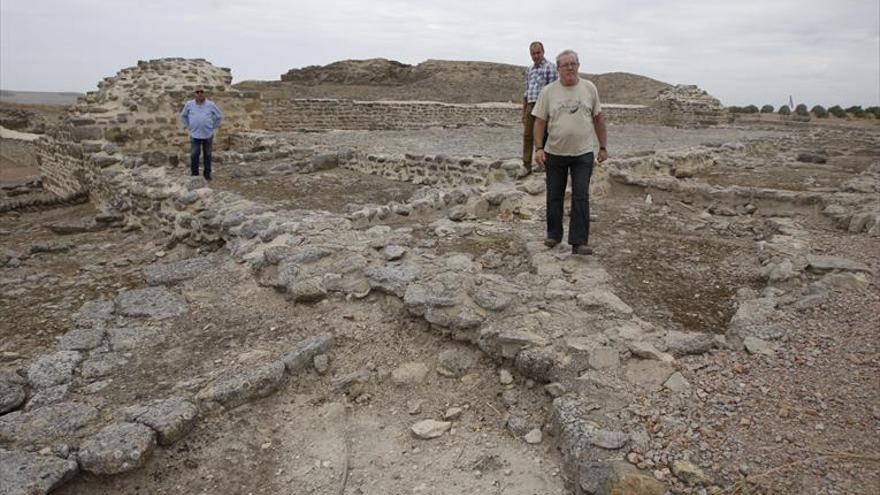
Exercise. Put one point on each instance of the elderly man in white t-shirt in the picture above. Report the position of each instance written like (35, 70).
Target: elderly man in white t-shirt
(570, 106)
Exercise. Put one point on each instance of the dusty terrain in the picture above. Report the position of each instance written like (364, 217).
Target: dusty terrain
(803, 419)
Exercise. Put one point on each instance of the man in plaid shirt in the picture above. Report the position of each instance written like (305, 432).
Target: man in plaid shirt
(539, 75)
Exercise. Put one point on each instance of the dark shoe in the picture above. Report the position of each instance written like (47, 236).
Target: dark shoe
(581, 249)
(207, 177)
(550, 243)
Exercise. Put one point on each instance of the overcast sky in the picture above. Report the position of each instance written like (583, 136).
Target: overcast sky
(748, 51)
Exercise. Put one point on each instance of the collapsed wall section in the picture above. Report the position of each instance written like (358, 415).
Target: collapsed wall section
(138, 108)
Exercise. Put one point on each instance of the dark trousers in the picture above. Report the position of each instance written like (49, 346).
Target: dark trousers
(197, 146)
(558, 169)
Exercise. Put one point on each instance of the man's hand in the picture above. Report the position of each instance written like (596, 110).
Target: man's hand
(603, 155)
(540, 157)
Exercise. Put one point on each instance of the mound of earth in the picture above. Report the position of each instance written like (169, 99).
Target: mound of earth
(438, 80)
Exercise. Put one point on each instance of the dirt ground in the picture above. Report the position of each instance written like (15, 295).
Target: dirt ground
(806, 420)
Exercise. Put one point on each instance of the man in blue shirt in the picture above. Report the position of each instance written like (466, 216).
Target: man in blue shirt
(201, 117)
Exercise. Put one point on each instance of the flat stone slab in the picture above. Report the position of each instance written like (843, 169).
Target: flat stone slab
(178, 271)
(682, 343)
(171, 418)
(648, 374)
(393, 279)
(82, 339)
(24, 473)
(243, 387)
(824, 264)
(94, 313)
(303, 354)
(45, 424)
(152, 302)
(53, 369)
(129, 338)
(117, 448)
(507, 343)
(100, 365)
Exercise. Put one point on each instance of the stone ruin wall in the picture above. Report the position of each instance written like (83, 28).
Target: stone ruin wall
(138, 108)
(689, 106)
(294, 114)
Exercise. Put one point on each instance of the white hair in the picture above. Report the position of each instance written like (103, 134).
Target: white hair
(568, 52)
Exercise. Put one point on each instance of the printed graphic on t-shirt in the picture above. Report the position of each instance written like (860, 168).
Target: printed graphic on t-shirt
(570, 107)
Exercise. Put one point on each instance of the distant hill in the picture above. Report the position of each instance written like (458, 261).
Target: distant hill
(38, 97)
(438, 80)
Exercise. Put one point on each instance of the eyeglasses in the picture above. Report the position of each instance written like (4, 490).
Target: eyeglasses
(571, 65)
(198, 91)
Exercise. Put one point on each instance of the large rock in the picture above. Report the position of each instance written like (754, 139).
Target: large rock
(690, 473)
(615, 478)
(430, 428)
(603, 299)
(53, 369)
(455, 363)
(48, 395)
(393, 279)
(117, 448)
(178, 271)
(171, 418)
(152, 302)
(24, 473)
(83, 339)
(45, 424)
(683, 343)
(578, 435)
(242, 387)
(301, 356)
(409, 373)
(94, 313)
(11, 395)
(507, 343)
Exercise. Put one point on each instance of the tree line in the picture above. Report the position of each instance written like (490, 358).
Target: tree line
(817, 111)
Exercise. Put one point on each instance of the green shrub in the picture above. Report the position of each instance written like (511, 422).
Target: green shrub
(784, 110)
(819, 111)
(875, 111)
(767, 109)
(801, 109)
(856, 111)
(750, 109)
(837, 111)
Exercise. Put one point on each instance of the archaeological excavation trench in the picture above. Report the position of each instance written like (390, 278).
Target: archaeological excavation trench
(326, 318)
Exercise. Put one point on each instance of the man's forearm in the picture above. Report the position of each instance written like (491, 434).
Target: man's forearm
(538, 132)
(601, 132)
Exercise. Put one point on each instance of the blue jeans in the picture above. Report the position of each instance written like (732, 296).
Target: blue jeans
(558, 169)
(196, 146)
